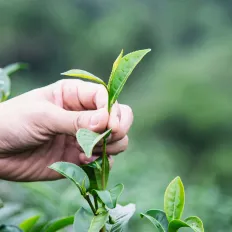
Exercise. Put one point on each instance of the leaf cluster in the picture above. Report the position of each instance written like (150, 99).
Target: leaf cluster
(169, 220)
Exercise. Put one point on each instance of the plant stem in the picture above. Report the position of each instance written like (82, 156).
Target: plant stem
(104, 157)
(95, 202)
(87, 198)
(103, 229)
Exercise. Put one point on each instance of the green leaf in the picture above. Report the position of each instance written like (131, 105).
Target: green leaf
(85, 221)
(110, 197)
(73, 173)
(115, 65)
(12, 68)
(5, 86)
(119, 77)
(87, 139)
(5, 228)
(93, 170)
(1, 203)
(58, 224)
(157, 218)
(193, 222)
(174, 199)
(121, 216)
(84, 75)
(28, 224)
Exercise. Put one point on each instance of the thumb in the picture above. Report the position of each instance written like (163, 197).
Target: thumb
(68, 122)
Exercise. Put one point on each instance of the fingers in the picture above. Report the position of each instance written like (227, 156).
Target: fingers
(114, 148)
(68, 122)
(78, 95)
(121, 119)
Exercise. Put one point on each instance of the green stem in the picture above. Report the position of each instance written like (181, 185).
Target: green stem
(87, 198)
(103, 229)
(95, 202)
(104, 157)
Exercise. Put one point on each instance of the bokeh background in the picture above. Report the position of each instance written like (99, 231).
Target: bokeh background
(180, 94)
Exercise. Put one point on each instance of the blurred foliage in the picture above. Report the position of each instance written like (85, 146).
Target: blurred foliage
(181, 95)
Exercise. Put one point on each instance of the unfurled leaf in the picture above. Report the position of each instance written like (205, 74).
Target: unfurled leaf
(93, 170)
(87, 139)
(174, 199)
(5, 228)
(125, 67)
(121, 216)
(73, 173)
(29, 223)
(110, 197)
(5, 86)
(58, 224)
(115, 65)
(193, 222)
(157, 218)
(85, 221)
(84, 75)
(12, 68)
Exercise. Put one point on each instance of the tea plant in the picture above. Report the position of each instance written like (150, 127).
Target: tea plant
(169, 220)
(91, 179)
(104, 213)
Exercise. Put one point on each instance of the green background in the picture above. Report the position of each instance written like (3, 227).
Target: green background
(180, 94)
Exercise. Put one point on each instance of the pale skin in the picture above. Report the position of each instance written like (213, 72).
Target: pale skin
(38, 128)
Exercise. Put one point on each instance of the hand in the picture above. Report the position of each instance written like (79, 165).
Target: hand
(38, 128)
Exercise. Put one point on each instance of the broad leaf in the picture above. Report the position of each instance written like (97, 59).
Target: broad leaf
(58, 224)
(121, 215)
(115, 65)
(110, 197)
(5, 86)
(5, 228)
(194, 223)
(87, 139)
(12, 68)
(157, 218)
(73, 173)
(28, 224)
(124, 69)
(174, 199)
(93, 170)
(85, 221)
(84, 75)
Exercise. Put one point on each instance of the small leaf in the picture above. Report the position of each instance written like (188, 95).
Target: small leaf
(5, 86)
(93, 171)
(115, 65)
(121, 216)
(58, 224)
(84, 75)
(28, 224)
(85, 221)
(5, 228)
(157, 218)
(124, 69)
(87, 139)
(12, 68)
(193, 222)
(73, 173)
(1, 203)
(110, 197)
(174, 199)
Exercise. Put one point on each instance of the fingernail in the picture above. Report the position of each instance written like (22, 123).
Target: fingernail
(95, 119)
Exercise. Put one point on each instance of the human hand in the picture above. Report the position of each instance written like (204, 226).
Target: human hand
(38, 128)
